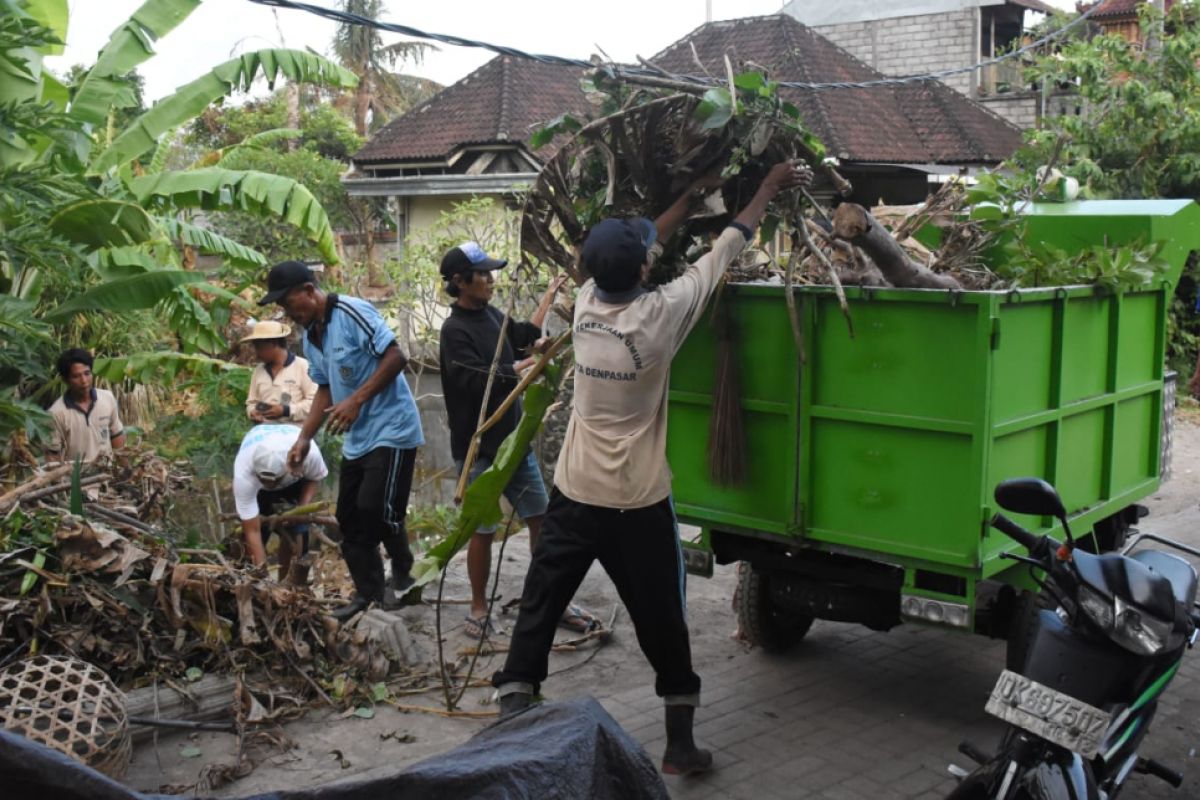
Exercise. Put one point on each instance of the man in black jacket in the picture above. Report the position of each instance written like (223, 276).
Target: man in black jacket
(468, 345)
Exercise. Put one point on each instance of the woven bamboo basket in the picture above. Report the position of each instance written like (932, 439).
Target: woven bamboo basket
(69, 705)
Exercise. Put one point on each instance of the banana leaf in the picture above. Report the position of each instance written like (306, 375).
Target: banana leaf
(216, 189)
(481, 503)
(162, 367)
(190, 100)
(104, 223)
(126, 294)
(158, 161)
(211, 243)
(255, 141)
(51, 14)
(130, 45)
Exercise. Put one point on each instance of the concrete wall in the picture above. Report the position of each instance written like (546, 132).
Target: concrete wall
(815, 13)
(914, 44)
(423, 212)
(1021, 109)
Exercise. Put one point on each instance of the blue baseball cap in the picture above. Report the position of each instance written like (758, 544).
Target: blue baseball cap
(468, 257)
(618, 244)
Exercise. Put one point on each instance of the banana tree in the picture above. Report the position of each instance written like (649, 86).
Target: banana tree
(128, 223)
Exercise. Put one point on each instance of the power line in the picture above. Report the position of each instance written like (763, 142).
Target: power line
(347, 18)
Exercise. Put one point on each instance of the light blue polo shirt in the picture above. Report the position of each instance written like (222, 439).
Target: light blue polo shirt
(354, 339)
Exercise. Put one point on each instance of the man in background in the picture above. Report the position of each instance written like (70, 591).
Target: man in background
(358, 367)
(86, 420)
(468, 343)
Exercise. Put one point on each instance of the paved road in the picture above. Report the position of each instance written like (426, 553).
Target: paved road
(849, 714)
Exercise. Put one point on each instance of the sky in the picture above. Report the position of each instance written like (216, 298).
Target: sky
(221, 29)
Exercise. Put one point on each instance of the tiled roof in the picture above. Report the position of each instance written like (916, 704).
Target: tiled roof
(915, 123)
(507, 98)
(1034, 5)
(504, 100)
(1121, 8)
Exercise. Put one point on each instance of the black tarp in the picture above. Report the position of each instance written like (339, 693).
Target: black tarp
(572, 749)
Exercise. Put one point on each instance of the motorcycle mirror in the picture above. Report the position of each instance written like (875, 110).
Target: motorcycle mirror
(1030, 496)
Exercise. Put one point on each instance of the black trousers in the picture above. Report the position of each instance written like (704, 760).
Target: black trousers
(639, 549)
(271, 502)
(372, 503)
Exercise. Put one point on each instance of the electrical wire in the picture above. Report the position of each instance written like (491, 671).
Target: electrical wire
(347, 18)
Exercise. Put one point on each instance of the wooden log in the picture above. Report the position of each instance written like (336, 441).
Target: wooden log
(855, 224)
(44, 479)
(210, 698)
(62, 487)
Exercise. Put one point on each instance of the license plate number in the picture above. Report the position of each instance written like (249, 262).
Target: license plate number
(1056, 717)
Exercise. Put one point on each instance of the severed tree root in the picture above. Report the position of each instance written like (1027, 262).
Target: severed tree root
(854, 224)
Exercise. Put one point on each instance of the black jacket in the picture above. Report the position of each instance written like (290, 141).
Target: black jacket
(468, 343)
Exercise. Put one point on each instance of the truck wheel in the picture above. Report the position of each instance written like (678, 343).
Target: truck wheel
(1111, 532)
(761, 620)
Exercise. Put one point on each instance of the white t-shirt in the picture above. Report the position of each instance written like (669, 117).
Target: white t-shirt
(615, 450)
(246, 484)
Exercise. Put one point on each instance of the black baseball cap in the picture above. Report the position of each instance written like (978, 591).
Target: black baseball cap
(283, 277)
(468, 257)
(618, 245)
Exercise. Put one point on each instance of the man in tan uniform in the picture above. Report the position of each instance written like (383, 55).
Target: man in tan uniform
(280, 389)
(612, 485)
(87, 422)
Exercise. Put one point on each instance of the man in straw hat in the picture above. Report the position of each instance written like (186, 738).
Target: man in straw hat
(358, 367)
(280, 388)
(612, 486)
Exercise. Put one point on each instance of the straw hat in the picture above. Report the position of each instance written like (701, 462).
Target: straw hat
(267, 329)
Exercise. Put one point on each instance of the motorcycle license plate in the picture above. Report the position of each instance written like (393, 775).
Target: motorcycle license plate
(1056, 717)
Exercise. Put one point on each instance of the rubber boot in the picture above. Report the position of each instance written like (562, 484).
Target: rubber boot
(357, 603)
(366, 569)
(682, 757)
(401, 557)
(512, 703)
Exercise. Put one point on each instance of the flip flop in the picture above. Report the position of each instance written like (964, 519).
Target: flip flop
(578, 619)
(479, 627)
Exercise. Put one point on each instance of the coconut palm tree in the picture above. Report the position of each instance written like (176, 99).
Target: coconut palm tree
(380, 93)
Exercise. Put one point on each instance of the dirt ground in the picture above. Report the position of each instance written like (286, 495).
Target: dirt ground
(330, 746)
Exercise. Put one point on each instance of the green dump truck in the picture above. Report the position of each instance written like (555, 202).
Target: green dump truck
(871, 461)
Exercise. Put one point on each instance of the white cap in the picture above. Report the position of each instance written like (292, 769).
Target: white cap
(269, 462)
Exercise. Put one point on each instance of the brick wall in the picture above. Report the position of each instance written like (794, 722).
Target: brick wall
(911, 45)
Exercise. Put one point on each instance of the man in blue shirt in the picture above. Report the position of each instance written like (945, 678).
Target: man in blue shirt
(357, 366)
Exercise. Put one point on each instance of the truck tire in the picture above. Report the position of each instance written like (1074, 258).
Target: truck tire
(1111, 533)
(761, 621)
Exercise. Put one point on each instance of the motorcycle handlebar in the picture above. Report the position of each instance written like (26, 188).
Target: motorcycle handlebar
(1015, 532)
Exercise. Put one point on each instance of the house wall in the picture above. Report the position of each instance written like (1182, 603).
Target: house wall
(423, 212)
(913, 44)
(1019, 108)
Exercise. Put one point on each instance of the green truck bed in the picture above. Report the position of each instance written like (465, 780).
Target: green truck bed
(888, 444)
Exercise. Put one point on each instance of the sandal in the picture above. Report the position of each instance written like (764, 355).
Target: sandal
(479, 627)
(578, 619)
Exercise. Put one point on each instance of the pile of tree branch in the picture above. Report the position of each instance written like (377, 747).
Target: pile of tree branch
(639, 159)
(107, 586)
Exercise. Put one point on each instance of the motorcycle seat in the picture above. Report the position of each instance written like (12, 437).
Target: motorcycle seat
(1178, 572)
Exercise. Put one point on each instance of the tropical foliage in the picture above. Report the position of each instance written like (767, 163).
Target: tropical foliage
(92, 221)
(1139, 135)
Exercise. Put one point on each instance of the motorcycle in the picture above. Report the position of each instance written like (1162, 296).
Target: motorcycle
(1096, 663)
